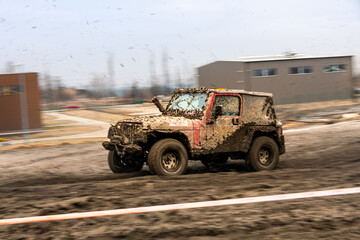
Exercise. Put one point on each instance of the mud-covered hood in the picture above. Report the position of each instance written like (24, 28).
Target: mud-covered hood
(162, 122)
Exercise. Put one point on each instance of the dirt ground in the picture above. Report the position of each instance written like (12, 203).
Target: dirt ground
(76, 178)
(58, 131)
(95, 115)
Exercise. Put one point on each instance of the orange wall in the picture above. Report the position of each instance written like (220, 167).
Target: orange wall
(10, 105)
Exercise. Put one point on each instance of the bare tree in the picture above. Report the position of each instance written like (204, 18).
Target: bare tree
(60, 88)
(47, 90)
(155, 90)
(96, 85)
(111, 75)
(179, 82)
(53, 89)
(134, 93)
(9, 67)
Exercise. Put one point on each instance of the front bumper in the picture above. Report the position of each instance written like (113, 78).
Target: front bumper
(122, 150)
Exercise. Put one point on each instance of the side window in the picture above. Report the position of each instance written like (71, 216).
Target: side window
(230, 105)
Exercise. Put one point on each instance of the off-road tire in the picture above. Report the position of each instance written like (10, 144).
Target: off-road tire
(118, 165)
(263, 154)
(168, 157)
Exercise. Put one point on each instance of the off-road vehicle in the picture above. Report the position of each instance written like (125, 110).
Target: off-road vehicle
(210, 125)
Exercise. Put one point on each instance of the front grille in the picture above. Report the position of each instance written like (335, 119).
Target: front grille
(127, 132)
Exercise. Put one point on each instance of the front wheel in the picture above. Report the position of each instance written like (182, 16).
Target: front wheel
(119, 164)
(168, 157)
(263, 154)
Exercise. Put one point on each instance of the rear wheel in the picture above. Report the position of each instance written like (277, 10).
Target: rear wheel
(168, 157)
(119, 164)
(263, 154)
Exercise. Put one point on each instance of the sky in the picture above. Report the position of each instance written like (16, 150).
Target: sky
(74, 40)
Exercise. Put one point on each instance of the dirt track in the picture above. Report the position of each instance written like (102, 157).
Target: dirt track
(75, 178)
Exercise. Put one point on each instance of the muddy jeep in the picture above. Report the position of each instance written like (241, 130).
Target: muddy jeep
(210, 125)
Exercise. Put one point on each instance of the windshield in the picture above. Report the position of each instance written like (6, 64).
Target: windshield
(187, 102)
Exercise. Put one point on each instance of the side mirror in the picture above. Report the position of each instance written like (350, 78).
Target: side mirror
(218, 111)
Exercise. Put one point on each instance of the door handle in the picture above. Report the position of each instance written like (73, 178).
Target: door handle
(235, 121)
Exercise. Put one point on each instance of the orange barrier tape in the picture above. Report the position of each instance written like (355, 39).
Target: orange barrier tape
(172, 207)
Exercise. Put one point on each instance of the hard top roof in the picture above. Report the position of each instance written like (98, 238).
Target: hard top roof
(241, 92)
(222, 90)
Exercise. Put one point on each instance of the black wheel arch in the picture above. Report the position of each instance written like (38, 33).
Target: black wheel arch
(159, 135)
(271, 134)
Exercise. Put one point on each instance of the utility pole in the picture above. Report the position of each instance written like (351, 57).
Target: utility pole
(179, 82)
(186, 74)
(110, 74)
(153, 78)
(165, 67)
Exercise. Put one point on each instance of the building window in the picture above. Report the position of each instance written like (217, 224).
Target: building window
(10, 90)
(334, 68)
(5, 90)
(16, 89)
(264, 72)
(300, 70)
